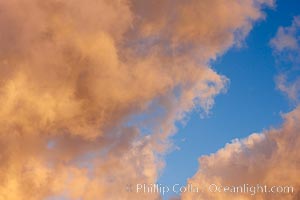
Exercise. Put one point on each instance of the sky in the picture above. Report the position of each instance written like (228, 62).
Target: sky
(99, 98)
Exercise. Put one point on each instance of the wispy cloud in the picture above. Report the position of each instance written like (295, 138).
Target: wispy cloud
(286, 38)
(287, 50)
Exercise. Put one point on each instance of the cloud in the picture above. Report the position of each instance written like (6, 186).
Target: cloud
(288, 87)
(286, 49)
(269, 158)
(73, 73)
(286, 37)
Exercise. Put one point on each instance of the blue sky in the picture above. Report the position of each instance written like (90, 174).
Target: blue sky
(251, 104)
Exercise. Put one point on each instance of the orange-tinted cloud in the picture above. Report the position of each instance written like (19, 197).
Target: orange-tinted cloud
(73, 73)
(286, 38)
(286, 46)
(270, 158)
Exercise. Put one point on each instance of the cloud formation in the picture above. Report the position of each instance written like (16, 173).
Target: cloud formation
(73, 73)
(286, 46)
(270, 158)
